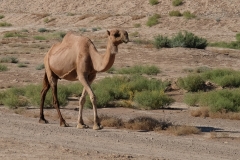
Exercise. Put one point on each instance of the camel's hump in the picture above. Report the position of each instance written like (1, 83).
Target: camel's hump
(73, 38)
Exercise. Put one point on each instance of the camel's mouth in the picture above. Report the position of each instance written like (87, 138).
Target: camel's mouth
(125, 41)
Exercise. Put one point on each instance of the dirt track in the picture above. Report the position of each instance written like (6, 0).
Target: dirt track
(23, 138)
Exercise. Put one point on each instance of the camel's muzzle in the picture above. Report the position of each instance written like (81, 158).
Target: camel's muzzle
(125, 40)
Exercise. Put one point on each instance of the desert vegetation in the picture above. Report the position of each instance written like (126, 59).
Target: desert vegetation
(175, 13)
(3, 67)
(5, 24)
(153, 2)
(177, 76)
(177, 2)
(202, 92)
(145, 123)
(153, 20)
(133, 91)
(188, 15)
(182, 39)
(232, 44)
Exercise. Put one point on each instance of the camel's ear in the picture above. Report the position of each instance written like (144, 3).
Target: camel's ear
(108, 32)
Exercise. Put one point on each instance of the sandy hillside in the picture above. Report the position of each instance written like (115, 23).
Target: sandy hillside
(22, 137)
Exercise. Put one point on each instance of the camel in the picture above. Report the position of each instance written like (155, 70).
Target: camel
(77, 59)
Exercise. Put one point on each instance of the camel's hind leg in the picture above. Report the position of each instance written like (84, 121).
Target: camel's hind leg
(53, 79)
(44, 91)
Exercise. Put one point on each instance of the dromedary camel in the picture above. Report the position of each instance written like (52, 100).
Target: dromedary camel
(76, 58)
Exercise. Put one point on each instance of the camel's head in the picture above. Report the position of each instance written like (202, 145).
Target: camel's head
(118, 36)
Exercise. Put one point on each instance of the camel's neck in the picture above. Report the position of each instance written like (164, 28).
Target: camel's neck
(103, 62)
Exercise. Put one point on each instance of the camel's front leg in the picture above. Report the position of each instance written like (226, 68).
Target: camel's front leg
(82, 101)
(86, 81)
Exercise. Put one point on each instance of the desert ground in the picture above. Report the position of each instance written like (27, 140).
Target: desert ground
(22, 137)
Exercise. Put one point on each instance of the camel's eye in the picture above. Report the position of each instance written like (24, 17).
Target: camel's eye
(116, 35)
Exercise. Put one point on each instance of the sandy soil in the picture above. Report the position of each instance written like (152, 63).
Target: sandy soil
(22, 137)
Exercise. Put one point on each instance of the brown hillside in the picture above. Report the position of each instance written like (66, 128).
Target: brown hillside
(212, 15)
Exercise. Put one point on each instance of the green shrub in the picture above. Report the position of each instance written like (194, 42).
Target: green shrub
(191, 99)
(22, 65)
(188, 40)
(188, 15)
(24, 30)
(47, 20)
(123, 87)
(9, 59)
(161, 41)
(2, 16)
(232, 45)
(191, 83)
(13, 34)
(43, 30)
(30, 95)
(14, 98)
(57, 35)
(70, 14)
(177, 2)
(83, 30)
(175, 13)
(137, 69)
(96, 29)
(152, 99)
(137, 25)
(223, 77)
(107, 90)
(153, 20)
(3, 68)
(39, 38)
(5, 24)
(40, 67)
(238, 37)
(140, 83)
(153, 2)
(142, 41)
(134, 34)
(217, 101)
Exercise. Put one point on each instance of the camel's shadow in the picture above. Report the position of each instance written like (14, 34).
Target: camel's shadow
(213, 129)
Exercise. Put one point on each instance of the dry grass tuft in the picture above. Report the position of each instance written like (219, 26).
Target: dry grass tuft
(201, 112)
(108, 121)
(138, 123)
(219, 135)
(111, 121)
(84, 17)
(41, 15)
(137, 17)
(205, 112)
(147, 124)
(225, 115)
(102, 17)
(20, 110)
(144, 123)
(183, 130)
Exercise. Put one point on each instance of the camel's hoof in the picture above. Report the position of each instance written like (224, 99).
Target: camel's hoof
(44, 121)
(82, 126)
(64, 125)
(97, 127)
